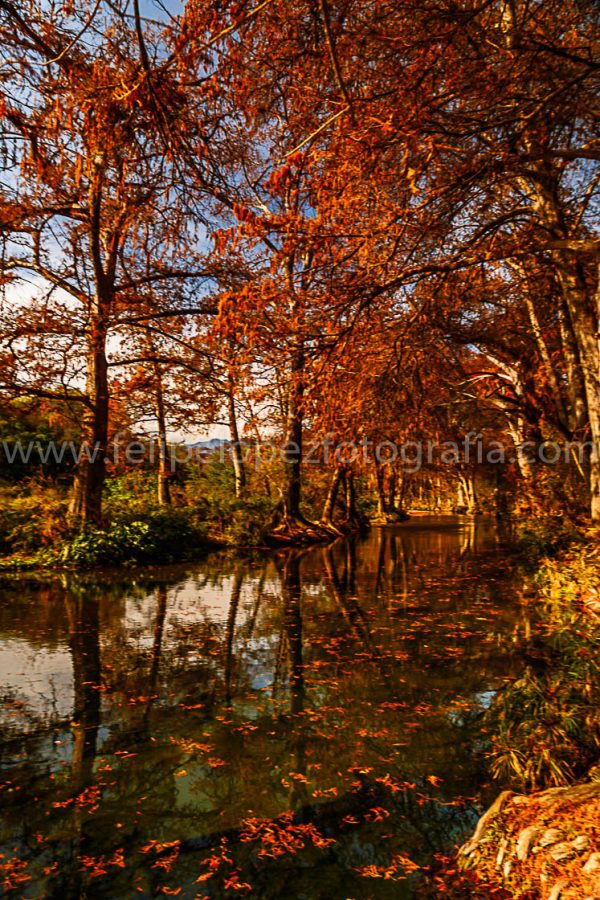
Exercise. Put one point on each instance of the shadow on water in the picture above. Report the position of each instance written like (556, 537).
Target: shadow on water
(301, 723)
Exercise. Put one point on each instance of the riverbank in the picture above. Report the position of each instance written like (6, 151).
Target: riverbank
(35, 532)
(544, 845)
(540, 840)
(163, 539)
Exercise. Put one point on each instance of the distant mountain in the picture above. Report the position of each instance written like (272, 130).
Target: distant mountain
(211, 444)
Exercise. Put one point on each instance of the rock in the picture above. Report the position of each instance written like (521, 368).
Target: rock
(551, 836)
(564, 850)
(558, 889)
(593, 864)
(581, 843)
(525, 840)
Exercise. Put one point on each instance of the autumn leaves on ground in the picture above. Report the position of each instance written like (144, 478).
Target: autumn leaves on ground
(355, 241)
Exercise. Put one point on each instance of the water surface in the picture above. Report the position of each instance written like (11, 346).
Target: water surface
(296, 725)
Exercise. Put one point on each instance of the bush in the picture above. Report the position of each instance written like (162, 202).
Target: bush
(242, 521)
(249, 522)
(162, 536)
(546, 538)
(32, 518)
(546, 723)
(131, 494)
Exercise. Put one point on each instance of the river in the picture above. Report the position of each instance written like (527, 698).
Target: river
(309, 724)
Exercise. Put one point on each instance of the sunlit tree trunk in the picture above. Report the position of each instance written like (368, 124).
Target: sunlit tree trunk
(331, 498)
(522, 457)
(541, 184)
(575, 387)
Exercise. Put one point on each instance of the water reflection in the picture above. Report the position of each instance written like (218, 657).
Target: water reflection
(341, 685)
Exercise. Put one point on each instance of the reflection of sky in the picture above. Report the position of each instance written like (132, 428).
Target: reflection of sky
(479, 700)
(39, 678)
(190, 603)
(38, 683)
(38, 675)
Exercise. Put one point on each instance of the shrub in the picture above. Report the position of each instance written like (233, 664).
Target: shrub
(249, 521)
(546, 725)
(131, 494)
(32, 518)
(546, 538)
(242, 521)
(162, 536)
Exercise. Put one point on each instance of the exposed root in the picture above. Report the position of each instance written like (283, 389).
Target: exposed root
(295, 530)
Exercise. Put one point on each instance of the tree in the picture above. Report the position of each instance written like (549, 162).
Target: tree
(87, 197)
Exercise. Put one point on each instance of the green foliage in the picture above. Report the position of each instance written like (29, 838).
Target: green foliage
(546, 725)
(545, 537)
(132, 493)
(162, 536)
(212, 483)
(241, 521)
(25, 422)
(247, 524)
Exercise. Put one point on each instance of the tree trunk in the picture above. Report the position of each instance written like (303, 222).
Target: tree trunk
(584, 329)
(541, 183)
(561, 410)
(471, 493)
(401, 491)
(523, 461)
(293, 440)
(381, 495)
(350, 497)
(331, 497)
(575, 390)
(86, 498)
(461, 498)
(391, 499)
(164, 487)
(543, 191)
(237, 456)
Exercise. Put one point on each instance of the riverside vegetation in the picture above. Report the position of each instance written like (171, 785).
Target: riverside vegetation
(313, 227)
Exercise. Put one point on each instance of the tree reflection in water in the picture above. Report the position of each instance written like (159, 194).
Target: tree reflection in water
(343, 685)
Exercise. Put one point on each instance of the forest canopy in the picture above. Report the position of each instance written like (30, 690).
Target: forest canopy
(317, 224)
